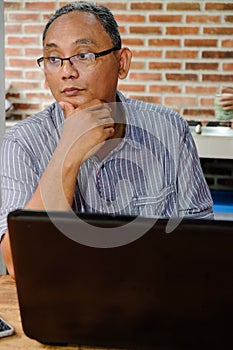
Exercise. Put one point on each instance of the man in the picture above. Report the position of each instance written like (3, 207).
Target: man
(93, 150)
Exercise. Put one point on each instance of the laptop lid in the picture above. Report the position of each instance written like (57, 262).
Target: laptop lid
(158, 291)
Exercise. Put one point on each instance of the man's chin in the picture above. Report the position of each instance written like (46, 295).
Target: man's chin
(77, 101)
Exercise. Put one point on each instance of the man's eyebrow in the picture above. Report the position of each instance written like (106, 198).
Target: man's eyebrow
(83, 41)
(50, 45)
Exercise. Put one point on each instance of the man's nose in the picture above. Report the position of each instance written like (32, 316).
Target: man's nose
(68, 70)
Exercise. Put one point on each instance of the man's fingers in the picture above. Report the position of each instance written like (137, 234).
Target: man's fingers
(93, 106)
(67, 108)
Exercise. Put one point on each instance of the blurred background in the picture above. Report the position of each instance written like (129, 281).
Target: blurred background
(182, 52)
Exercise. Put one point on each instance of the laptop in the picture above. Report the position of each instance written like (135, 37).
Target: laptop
(168, 285)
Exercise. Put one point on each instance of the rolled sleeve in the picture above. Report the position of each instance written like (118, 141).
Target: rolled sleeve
(18, 179)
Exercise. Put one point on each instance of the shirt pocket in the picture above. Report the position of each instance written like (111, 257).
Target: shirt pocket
(161, 204)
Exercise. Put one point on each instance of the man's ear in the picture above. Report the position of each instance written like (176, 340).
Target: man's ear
(124, 62)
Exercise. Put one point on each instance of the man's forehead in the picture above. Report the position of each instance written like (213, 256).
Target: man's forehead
(84, 30)
(75, 19)
(77, 42)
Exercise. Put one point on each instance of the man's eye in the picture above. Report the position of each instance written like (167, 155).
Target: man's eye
(54, 60)
(83, 56)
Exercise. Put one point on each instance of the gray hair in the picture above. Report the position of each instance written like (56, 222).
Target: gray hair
(102, 14)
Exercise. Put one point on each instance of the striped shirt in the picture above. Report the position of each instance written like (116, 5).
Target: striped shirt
(154, 171)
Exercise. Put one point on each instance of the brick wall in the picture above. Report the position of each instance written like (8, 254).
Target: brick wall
(182, 52)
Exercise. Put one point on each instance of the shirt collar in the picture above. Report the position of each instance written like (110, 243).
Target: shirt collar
(133, 132)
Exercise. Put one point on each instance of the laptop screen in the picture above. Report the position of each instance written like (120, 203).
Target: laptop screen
(168, 285)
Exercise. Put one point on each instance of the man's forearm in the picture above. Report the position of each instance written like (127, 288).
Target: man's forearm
(56, 188)
(54, 192)
(6, 253)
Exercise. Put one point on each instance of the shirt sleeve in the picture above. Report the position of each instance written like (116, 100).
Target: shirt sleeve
(194, 198)
(19, 178)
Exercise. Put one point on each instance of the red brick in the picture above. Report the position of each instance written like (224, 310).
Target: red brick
(227, 67)
(147, 53)
(207, 102)
(165, 88)
(145, 76)
(227, 43)
(8, 5)
(34, 52)
(131, 87)
(180, 101)
(182, 77)
(228, 19)
(26, 85)
(46, 17)
(33, 29)
(35, 75)
(182, 30)
(25, 106)
(22, 62)
(62, 3)
(200, 42)
(36, 96)
(137, 65)
(201, 66)
(217, 54)
(181, 54)
(165, 18)
(184, 6)
(218, 6)
(13, 95)
(13, 74)
(22, 41)
(122, 29)
(164, 65)
(25, 17)
(164, 42)
(200, 90)
(218, 30)
(133, 41)
(146, 6)
(202, 19)
(13, 51)
(217, 77)
(13, 28)
(40, 6)
(199, 112)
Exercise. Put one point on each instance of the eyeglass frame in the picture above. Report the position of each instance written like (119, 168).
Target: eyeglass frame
(96, 54)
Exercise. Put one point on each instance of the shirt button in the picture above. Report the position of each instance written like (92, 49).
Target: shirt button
(109, 203)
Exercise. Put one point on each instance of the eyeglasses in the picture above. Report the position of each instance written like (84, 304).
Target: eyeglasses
(80, 60)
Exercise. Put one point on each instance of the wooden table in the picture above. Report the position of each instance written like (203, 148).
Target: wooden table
(9, 310)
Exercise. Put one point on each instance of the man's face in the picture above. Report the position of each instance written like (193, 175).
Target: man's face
(75, 33)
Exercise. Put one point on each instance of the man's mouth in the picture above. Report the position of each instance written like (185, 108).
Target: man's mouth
(72, 91)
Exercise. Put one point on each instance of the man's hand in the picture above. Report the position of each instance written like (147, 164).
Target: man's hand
(86, 128)
(227, 100)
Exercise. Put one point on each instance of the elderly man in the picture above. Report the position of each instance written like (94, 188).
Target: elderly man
(93, 150)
